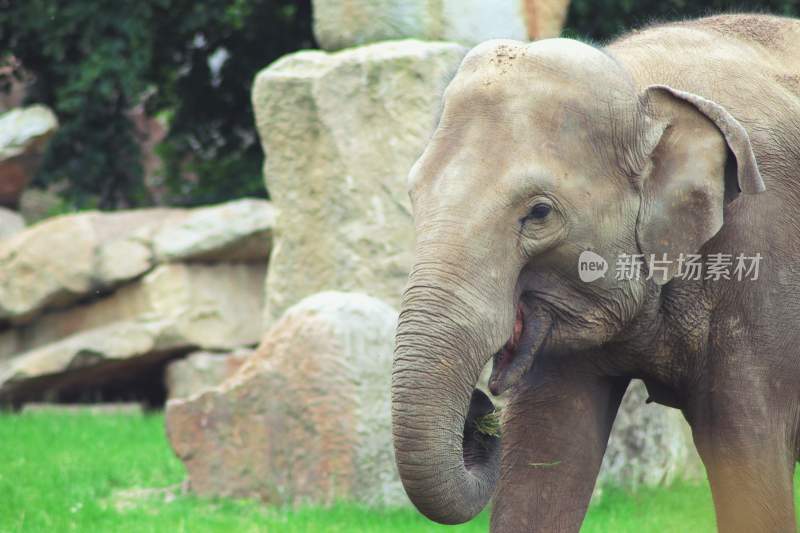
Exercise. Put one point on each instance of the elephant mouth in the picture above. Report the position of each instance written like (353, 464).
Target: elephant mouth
(516, 357)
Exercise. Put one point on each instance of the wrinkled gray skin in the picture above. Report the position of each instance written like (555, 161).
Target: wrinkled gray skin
(677, 139)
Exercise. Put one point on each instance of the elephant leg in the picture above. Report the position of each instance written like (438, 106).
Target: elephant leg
(555, 433)
(747, 448)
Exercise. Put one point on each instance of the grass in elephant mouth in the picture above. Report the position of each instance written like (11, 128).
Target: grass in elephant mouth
(489, 424)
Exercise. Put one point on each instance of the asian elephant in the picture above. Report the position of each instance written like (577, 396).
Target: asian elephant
(675, 141)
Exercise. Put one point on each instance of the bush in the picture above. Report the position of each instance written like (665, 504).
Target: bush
(192, 62)
(602, 20)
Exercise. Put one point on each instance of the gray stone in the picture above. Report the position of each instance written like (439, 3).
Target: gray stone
(73, 356)
(55, 262)
(67, 258)
(235, 231)
(23, 136)
(175, 308)
(214, 306)
(307, 418)
(341, 132)
(650, 445)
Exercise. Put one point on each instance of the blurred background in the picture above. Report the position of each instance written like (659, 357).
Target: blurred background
(204, 235)
(153, 98)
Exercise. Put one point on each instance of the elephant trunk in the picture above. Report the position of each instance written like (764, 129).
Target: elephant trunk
(444, 338)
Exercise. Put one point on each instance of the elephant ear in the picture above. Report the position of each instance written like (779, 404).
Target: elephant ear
(683, 190)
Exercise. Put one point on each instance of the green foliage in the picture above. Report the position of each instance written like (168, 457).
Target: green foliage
(95, 60)
(193, 64)
(86, 60)
(212, 129)
(489, 424)
(602, 20)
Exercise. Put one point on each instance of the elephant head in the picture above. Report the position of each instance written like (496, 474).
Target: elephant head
(543, 151)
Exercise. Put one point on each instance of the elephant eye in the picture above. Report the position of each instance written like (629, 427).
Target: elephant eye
(539, 211)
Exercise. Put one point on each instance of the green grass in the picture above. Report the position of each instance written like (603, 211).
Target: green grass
(63, 473)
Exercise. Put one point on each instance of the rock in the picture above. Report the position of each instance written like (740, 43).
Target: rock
(239, 230)
(650, 445)
(174, 309)
(121, 260)
(200, 371)
(23, 135)
(67, 258)
(206, 306)
(81, 360)
(54, 262)
(344, 23)
(11, 223)
(214, 307)
(307, 418)
(341, 132)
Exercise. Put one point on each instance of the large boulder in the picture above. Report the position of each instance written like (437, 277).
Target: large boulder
(341, 131)
(650, 445)
(67, 258)
(307, 418)
(344, 23)
(172, 310)
(55, 262)
(23, 136)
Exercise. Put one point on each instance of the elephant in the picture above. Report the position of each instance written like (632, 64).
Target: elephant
(673, 145)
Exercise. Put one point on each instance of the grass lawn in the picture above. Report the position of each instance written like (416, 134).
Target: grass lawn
(67, 473)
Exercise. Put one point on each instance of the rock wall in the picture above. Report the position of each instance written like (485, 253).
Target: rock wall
(88, 298)
(67, 258)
